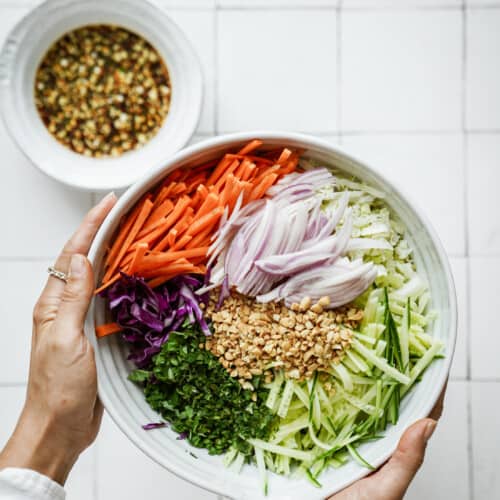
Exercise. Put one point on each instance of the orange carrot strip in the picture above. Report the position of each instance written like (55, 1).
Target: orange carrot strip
(172, 234)
(127, 223)
(156, 223)
(210, 203)
(182, 226)
(196, 201)
(181, 205)
(175, 175)
(183, 223)
(141, 218)
(290, 166)
(255, 159)
(179, 189)
(107, 329)
(229, 170)
(249, 170)
(207, 220)
(182, 242)
(150, 238)
(202, 237)
(161, 196)
(233, 197)
(178, 265)
(158, 213)
(162, 279)
(151, 262)
(196, 180)
(204, 191)
(228, 189)
(251, 146)
(241, 168)
(263, 173)
(283, 157)
(259, 190)
(140, 251)
(108, 283)
(219, 170)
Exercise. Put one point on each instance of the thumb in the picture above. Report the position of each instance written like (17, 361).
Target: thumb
(396, 475)
(77, 295)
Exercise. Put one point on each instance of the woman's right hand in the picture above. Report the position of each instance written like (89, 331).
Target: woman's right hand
(391, 481)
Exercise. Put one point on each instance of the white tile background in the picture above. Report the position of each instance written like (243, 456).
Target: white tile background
(413, 87)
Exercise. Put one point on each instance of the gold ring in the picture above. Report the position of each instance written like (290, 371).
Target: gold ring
(58, 274)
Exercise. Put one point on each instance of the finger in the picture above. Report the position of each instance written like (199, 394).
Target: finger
(396, 475)
(437, 411)
(391, 481)
(75, 298)
(79, 243)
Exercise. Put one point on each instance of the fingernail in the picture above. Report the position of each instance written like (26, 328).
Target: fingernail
(429, 429)
(77, 265)
(108, 197)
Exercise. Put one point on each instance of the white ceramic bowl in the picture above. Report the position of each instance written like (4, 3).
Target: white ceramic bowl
(125, 401)
(25, 47)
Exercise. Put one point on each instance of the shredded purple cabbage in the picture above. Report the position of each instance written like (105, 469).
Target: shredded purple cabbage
(148, 316)
(154, 425)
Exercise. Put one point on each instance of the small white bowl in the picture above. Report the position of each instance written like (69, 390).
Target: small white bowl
(125, 401)
(22, 53)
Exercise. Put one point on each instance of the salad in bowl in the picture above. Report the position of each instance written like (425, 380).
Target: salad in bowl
(270, 315)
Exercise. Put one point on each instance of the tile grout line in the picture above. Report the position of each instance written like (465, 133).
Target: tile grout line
(470, 452)
(320, 7)
(470, 456)
(216, 72)
(464, 128)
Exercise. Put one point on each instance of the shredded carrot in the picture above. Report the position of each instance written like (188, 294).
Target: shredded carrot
(259, 190)
(283, 157)
(107, 283)
(221, 167)
(205, 221)
(107, 329)
(228, 189)
(141, 250)
(141, 218)
(122, 234)
(175, 215)
(251, 146)
(183, 241)
(209, 204)
(202, 239)
(229, 171)
(196, 181)
(157, 217)
(160, 260)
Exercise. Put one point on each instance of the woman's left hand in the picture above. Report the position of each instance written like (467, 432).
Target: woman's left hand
(62, 413)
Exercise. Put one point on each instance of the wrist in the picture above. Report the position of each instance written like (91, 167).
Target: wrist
(38, 446)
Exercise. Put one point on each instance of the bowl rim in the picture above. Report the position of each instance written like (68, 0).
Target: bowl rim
(314, 143)
(9, 49)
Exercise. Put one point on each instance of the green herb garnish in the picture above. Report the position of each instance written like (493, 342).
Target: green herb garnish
(193, 391)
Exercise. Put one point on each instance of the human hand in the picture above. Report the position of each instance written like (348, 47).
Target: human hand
(391, 481)
(62, 413)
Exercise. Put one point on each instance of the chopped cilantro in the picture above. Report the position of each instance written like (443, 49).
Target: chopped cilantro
(193, 391)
